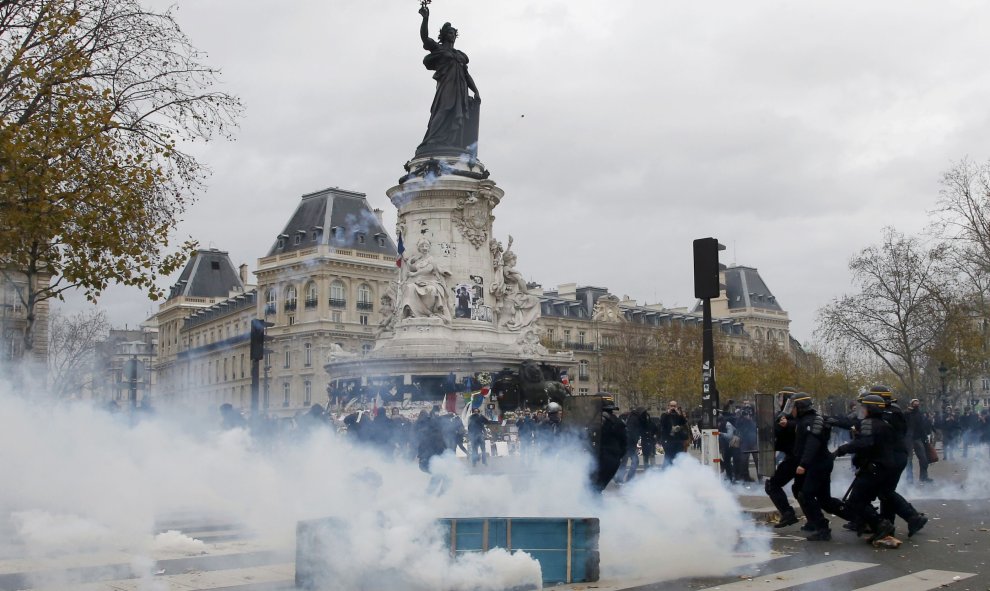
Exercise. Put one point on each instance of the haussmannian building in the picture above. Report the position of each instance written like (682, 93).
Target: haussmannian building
(13, 320)
(588, 320)
(318, 286)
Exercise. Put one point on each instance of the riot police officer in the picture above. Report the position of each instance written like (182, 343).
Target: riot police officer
(891, 502)
(783, 442)
(813, 474)
(873, 448)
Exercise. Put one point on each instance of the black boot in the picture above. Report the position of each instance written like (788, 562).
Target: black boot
(786, 519)
(916, 523)
(822, 534)
(883, 529)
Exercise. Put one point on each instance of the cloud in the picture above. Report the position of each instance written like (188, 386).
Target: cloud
(623, 130)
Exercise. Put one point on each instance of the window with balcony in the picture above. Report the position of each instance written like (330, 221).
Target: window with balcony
(364, 297)
(290, 298)
(270, 302)
(338, 299)
(583, 374)
(312, 293)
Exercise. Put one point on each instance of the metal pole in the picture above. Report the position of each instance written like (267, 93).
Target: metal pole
(709, 392)
(255, 364)
(133, 381)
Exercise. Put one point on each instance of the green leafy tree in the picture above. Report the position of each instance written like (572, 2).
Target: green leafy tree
(99, 102)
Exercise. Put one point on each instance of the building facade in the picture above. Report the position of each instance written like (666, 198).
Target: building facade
(318, 287)
(13, 319)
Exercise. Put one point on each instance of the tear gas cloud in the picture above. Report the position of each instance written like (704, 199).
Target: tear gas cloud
(79, 479)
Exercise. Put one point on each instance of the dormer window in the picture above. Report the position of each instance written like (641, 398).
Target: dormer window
(297, 239)
(360, 238)
(281, 242)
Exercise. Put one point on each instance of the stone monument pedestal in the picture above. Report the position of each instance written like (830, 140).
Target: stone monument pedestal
(457, 306)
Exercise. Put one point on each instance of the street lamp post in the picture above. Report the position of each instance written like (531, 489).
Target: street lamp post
(942, 372)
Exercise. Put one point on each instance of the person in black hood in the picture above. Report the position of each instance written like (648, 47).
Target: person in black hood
(612, 446)
(918, 430)
(674, 433)
(476, 437)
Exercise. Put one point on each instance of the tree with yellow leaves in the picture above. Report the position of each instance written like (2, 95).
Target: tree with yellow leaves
(99, 101)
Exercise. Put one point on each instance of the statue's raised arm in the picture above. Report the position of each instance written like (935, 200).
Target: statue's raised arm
(424, 29)
(453, 126)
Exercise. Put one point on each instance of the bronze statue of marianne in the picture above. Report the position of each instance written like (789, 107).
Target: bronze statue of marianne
(453, 127)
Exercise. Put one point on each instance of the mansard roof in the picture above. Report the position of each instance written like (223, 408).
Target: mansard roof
(334, 217)
(208, 274)
(744, 288)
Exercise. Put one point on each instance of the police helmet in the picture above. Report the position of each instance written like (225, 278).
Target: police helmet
(873, 403)
(802, 401)
(554, 407)
(884, 392)
(784, 394)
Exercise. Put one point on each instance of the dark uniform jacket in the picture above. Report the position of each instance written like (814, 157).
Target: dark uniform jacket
(668, 433)
(613, 439)
(894, 416)
(873, 445)
(783, 437)
(811, 436)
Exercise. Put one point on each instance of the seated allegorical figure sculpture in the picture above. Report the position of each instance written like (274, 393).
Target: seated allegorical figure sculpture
(515, 306)
(423, 293)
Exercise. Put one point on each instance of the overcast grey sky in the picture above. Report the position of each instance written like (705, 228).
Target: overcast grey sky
(620, 131)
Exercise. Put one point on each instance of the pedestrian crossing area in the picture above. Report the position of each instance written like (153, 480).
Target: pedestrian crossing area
(228, 558)
(828, 574)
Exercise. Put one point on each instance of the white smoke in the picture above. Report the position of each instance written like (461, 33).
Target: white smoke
(79, 479)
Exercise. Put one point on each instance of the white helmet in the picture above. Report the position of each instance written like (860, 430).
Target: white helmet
(554, 407)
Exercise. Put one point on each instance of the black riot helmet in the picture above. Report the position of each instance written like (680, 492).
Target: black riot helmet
(801, 401)
(784, 394)
(874, 404)
(884, 392)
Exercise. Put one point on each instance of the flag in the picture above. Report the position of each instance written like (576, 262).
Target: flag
(401, 249)
(374, 407)
(477, 399)
(564, 379)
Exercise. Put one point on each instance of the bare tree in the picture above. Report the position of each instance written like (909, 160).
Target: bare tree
(901, 307)
(72, 344)
(964, 210)
(99, 101)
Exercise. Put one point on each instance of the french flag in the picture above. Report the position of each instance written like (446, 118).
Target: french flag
(564, 379)
(401, 249)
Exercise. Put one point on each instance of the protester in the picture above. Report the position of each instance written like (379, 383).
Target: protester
(674, 433)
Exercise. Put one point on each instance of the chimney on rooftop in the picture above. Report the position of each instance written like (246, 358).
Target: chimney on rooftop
(243, 273)
(378, 214)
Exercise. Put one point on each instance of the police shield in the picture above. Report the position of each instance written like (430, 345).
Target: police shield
(765, 412)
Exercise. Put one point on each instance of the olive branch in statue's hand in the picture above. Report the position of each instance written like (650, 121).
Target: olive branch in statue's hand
(424, 7)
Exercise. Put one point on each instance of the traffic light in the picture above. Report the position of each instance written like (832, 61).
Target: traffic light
(706, 284)
(258, 338)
